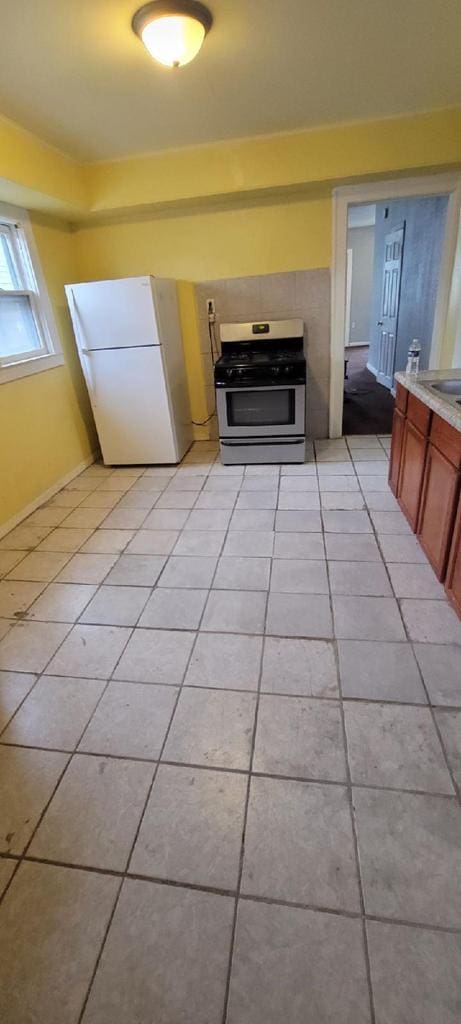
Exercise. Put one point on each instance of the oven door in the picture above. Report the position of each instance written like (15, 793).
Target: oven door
(273, 411)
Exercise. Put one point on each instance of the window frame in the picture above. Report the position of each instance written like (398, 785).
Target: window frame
(21, 238)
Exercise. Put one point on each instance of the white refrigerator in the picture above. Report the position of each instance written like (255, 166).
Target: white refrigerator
(129, 341)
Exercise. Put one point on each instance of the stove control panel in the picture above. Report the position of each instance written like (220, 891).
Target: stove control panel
(284, 371)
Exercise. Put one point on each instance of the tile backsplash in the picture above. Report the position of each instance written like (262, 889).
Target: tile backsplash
(303, 294)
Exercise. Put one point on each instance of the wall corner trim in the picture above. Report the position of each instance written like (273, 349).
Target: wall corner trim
(46, 495)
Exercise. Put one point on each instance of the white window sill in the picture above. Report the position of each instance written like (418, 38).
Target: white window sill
(30, 366)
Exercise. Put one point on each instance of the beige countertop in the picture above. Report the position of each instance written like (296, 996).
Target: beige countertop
(417, 384)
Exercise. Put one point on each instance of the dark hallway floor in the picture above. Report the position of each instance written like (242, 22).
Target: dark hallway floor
(368, 406)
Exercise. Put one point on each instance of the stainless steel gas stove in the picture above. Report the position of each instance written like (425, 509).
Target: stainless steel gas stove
(260, 383)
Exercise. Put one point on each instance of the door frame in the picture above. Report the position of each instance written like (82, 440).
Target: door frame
(352, 195)
(347, 308)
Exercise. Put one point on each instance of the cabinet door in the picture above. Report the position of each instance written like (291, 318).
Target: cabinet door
(453, 581)
(411, 472)
(398, 426)
(438, 506)
(401, 398)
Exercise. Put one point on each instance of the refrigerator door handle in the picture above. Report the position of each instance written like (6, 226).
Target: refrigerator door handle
(82, 348)
(91, 384)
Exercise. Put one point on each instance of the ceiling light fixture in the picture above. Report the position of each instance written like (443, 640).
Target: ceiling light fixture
(172, 30)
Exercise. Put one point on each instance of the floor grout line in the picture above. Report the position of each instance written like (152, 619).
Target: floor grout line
(360, 885)
(308, 780)
(246, 805)
(288, 695)
(139, 826)
(456, 788)
(246, 897)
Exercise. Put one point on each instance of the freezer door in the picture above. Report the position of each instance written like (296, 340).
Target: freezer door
(130, 405)
(113, 314)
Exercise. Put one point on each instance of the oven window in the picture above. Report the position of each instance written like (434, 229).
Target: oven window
(261, 408)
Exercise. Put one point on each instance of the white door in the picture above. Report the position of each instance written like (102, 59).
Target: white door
(113, 314)
(390, 301)
(130, 404)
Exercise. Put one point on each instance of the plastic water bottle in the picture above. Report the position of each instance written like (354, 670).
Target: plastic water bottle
(413, 356)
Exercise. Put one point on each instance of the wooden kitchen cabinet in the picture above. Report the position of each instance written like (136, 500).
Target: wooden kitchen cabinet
(453, 580)
(398, 427)
(413, 458)
(425, 476)
(438, 506)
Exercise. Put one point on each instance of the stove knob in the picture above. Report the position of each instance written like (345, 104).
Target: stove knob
(288, 369)
(230, 373)
(276, 371)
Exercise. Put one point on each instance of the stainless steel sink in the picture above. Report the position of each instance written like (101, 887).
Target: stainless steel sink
(447, 387)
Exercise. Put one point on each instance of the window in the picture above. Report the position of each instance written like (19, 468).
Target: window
(27, 335)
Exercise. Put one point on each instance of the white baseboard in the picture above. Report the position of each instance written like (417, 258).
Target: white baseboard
(372, 369)
(46, 495)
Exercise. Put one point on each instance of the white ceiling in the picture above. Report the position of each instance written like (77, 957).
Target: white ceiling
(73, 72)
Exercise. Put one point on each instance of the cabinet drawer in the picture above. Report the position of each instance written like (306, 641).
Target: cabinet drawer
(419, 414)
(446, 439)
(438, 506)
(401, 398)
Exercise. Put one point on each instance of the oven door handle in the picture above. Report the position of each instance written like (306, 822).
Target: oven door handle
(282, 439)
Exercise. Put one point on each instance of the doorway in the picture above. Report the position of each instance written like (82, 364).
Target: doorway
(368, 405)
(394, 249)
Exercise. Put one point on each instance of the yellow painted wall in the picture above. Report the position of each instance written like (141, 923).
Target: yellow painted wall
(46, 424)
(335, 153)
(232, 242)
(29, 166)
(329, 154)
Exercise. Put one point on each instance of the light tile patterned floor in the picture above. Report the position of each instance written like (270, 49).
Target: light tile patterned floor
(231, 713)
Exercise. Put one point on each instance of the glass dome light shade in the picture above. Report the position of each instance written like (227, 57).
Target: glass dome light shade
(172, 32)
